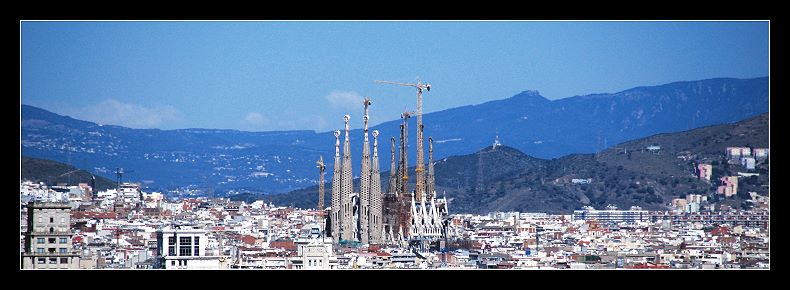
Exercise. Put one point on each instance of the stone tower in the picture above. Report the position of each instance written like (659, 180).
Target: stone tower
(336, 213)
(376, 197)
(364, 182)
(430, 180)
(348, 229)
(393, 183)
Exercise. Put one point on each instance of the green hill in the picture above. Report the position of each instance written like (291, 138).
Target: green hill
(51, 173)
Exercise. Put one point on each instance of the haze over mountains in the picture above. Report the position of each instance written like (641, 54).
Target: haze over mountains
(282, 161)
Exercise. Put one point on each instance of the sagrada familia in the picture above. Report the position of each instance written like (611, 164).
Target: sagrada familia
(394, 216)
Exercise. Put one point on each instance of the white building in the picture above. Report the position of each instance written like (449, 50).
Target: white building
(316, 254)
(184, 248)
(612, 215)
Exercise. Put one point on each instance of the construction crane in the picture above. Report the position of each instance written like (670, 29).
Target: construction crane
(393, 183)
(67, 173)
(119, 173)
(404, 199)
(321, 167)
(404, 160)
(70, 172)
(420, 186)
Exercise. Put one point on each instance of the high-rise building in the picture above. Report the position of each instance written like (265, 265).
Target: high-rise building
(48, 237)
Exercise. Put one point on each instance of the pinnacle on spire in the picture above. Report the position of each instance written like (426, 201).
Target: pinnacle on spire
(375, 143)
(367, 102)
(347, 118)
(337, 143)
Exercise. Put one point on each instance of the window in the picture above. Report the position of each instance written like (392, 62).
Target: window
(172, 263)
(171, 251)
(63, 240)
(53, 260)
(40, 250)
(51, 220)
(62, 250)
(40, 240)
(185, 246)
(185, 241)
(64, 260)
(185, 251)
(42, 260)
(197, 248)
(51, 250)
(52, 230)
(51, 240)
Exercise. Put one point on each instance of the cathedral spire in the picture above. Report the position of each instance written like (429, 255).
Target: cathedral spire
(364, 182)
(430, 180)
(346, 188)
(376, 198)
(335, 216)
(393, 183)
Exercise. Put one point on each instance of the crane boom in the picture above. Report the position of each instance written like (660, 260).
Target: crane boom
(70, 172)
(418, 85)
(396, 83)
(419, 171)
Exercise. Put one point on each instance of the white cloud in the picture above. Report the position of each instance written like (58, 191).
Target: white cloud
(255, 120)
(344, 100)
(114, 112)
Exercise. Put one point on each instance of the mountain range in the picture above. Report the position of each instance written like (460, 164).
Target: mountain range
(503, 178)
(282, 161)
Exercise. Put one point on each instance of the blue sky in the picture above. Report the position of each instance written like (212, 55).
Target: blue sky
(262, 76)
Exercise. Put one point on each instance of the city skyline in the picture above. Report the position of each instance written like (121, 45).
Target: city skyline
(275, 75)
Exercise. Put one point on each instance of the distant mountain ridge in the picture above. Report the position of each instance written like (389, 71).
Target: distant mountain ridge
(281, 161)
(625, 175)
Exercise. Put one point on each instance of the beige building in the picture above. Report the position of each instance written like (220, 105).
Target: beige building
(705, 171)
(48, 237)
